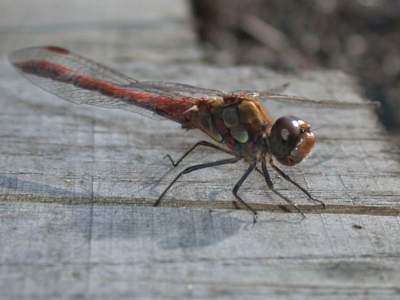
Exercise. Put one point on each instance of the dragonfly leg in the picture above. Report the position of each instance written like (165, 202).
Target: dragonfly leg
(201, 143)
(271, 187)
(195, 168)
(239, 184)
(280, 172)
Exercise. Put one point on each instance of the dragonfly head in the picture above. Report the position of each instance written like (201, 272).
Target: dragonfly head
(291, 140)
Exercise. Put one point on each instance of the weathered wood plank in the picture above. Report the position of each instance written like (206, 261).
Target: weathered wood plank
(75, 12)
(118, 250)
(119, 30)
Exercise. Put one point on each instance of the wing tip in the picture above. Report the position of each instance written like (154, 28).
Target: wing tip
(56, 49)
(31, 52)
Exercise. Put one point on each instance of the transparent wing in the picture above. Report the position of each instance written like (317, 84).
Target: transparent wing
(279, 89)
(57, 71)
(177, 89)
(321, 103)
(82, 81)
(270, 95)
(61, 56)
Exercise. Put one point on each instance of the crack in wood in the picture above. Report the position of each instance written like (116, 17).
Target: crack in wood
(214, 205)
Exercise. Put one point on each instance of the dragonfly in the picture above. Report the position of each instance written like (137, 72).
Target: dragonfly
(236, 123)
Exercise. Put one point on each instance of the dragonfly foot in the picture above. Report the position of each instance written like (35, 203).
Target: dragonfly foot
(157, 203)
(303, 216)
(255, 215)
(323, 205)
(235, 204)
(173, 163)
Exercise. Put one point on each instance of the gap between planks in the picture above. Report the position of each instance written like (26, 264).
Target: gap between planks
(282, 208)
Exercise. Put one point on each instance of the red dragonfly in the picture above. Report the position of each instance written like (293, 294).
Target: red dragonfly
(237, 121)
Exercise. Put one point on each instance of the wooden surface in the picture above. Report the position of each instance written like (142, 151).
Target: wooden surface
(118, 30)
(76, 183)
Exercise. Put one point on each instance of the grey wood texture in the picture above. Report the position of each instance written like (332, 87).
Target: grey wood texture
(121, 30)
(76, 182)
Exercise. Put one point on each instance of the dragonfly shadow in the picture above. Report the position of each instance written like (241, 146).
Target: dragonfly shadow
(197, 228)
(128, 234)
(168, 228)
(35, 188)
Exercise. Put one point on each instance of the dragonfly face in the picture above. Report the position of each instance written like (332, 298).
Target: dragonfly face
(291, 140)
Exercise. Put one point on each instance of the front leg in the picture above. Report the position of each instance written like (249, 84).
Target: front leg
(271, 187)
(286, 177)
(239, 184)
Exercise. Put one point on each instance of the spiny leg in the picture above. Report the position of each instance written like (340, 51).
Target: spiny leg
(201, 143)
(271, 186)
(280, 172)
(195, 168)
(239, 184)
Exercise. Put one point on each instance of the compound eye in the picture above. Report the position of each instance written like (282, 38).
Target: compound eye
(288, 129)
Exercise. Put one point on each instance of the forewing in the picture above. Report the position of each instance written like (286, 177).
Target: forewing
(177, 89)
(317, 102)
(271, 95)
(61, 56)
(82, 81)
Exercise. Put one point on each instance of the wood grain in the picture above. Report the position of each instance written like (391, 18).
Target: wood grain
(121, 250)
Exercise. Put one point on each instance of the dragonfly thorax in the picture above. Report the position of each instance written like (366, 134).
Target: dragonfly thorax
(238, 122)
